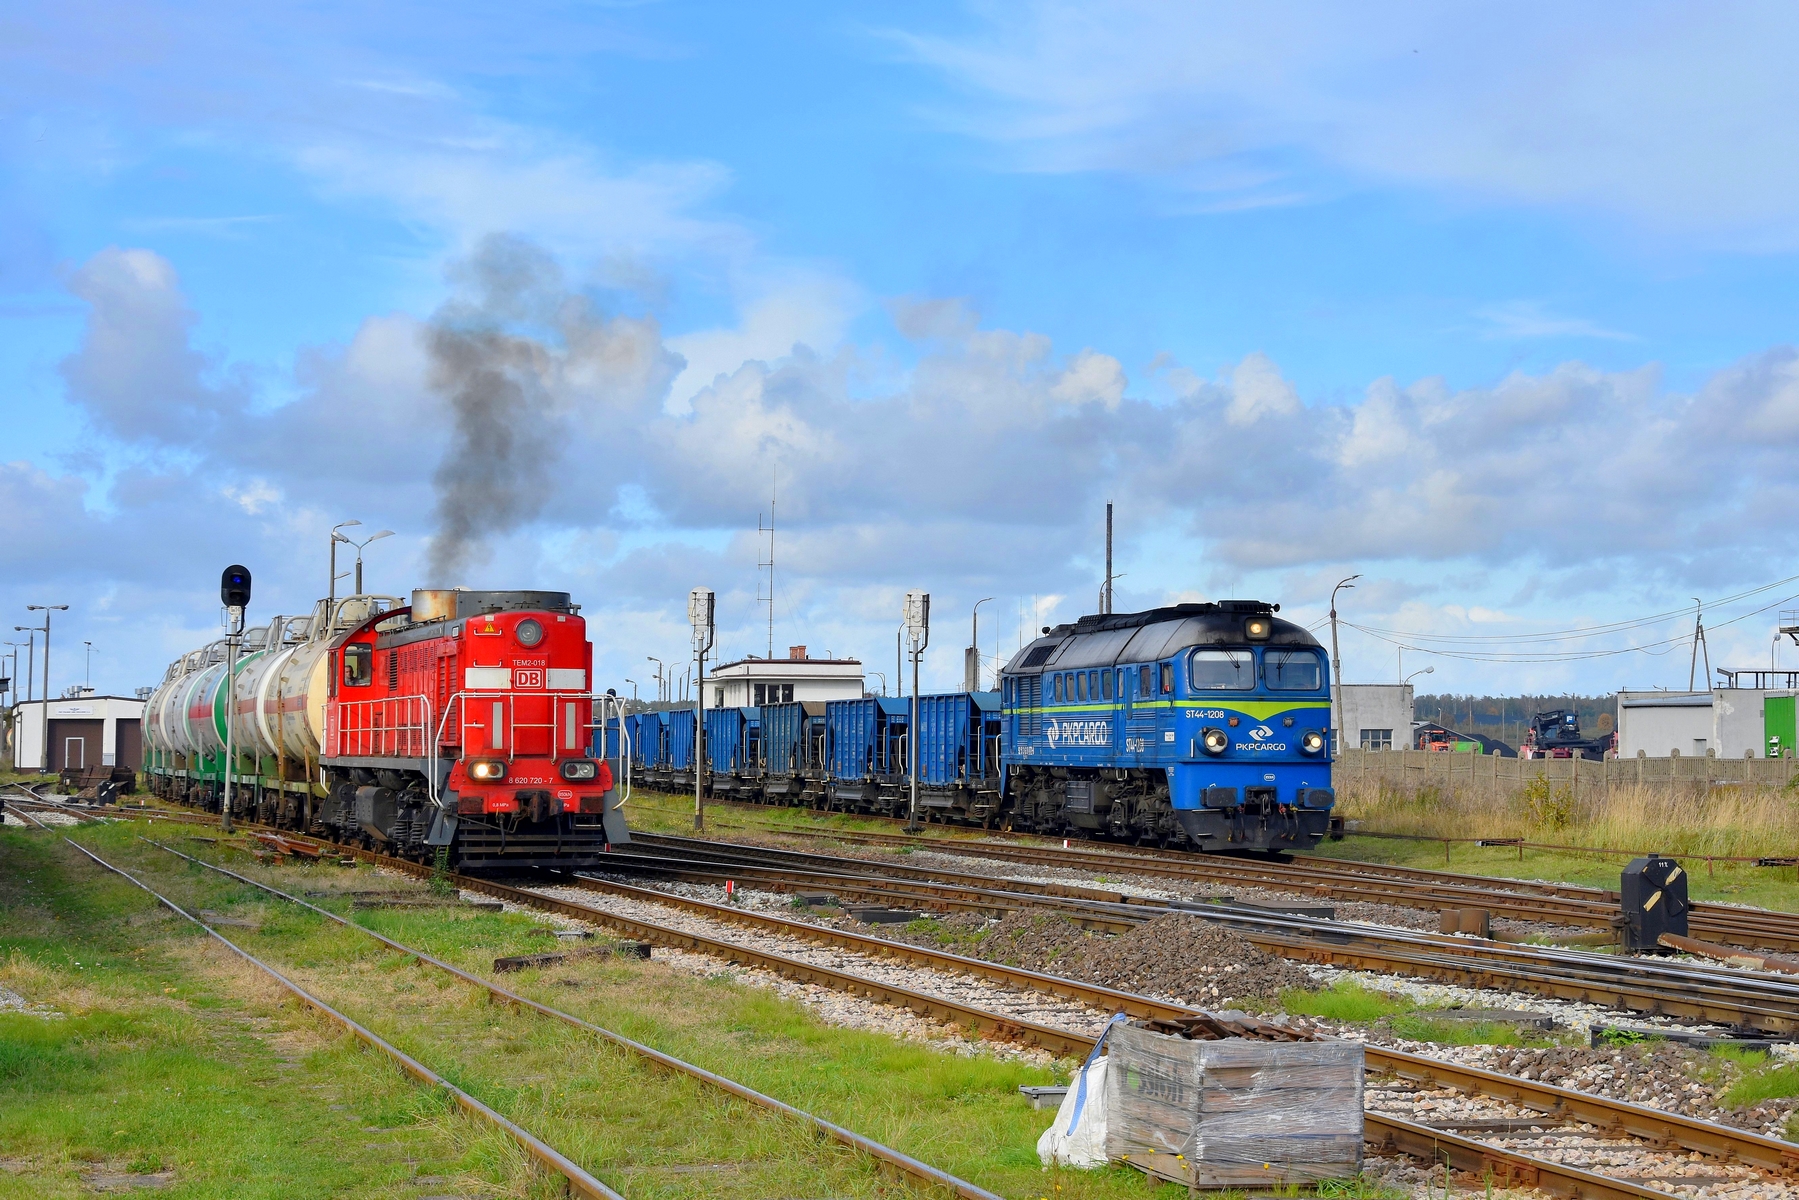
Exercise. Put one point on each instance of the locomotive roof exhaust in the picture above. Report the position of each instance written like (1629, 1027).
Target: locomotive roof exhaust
(439, 604)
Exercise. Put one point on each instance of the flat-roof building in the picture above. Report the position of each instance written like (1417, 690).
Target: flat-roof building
(84, 731)
(753, 682)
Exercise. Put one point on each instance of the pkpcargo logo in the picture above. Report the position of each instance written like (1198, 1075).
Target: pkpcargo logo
(1078, 733)
(1261, 733)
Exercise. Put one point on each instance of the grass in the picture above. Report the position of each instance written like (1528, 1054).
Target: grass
(1352, 1003)
(1748, 822)
(161, 1064)
(252, 1080)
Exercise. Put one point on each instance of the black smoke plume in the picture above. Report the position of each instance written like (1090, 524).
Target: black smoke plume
(505, 442)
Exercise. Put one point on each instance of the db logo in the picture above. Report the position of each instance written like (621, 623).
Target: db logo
(528, 678)
(1261, 733)
(564, 794)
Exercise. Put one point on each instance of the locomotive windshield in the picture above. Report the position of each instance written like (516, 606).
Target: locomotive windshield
(1292, 670)
(1222, 671)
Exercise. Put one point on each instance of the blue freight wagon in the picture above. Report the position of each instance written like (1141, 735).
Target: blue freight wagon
(794, 738)
(959, 757)
(730, 753)
(866, 752)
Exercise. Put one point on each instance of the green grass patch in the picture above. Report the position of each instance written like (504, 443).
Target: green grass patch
(1760, 1080)
(1346, 1000)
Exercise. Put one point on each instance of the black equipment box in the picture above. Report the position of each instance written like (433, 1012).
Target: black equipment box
(1653, 894)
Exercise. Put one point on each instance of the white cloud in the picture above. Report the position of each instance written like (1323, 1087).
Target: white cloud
(1670, 114)
(806, 309)
(1519, 319)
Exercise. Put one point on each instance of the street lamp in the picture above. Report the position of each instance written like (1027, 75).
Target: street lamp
(658, 662)
(89, 676)
(971, 671)
(1337, 662)
(883, 677)
(47, 609)
(1415, 674)
(633, 684)
(331, 593)
(373, 537)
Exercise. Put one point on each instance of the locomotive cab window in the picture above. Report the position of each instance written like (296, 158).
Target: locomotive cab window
(1221, 670)
(1292, 670)
(1144, 686)
(1168, 679)
(359, 665)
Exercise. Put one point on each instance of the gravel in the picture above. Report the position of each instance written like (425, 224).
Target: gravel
(1181, 957)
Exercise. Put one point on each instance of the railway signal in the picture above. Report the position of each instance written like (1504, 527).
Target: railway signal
(234, 594)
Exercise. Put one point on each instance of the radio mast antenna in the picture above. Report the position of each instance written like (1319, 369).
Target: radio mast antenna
(774, 481)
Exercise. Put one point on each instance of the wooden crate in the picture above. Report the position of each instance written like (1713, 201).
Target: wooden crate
(1234, 1113)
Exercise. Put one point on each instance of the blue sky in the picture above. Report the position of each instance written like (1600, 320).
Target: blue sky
(1492, 306)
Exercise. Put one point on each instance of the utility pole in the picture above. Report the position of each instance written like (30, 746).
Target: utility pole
(1698, 642)
(1337, 665)
(87, 677)
(918, 633)
(47, 609)
(700, 604)
(1107, 606)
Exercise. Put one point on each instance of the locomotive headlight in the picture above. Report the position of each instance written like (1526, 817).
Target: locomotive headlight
(487, 770)
(580, 769)
(1257, 629)
(1312, 741)
(529, 632)
(1214, 741)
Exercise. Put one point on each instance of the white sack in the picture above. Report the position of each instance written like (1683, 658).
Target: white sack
(1085, 1144)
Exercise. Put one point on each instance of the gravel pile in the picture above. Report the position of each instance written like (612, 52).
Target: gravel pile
(1184, 958)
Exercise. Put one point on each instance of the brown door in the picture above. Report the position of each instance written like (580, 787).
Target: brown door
(130, 749)
(75, 743)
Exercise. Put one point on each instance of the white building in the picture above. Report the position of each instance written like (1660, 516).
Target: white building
(85, 731)
(758, 681)
(1730, 721)
(1376, 716)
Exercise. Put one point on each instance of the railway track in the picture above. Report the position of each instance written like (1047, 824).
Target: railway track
(1622, 1126)
(1337, 879)
(1738, 999)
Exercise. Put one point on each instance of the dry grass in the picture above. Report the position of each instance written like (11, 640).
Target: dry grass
(1695, 821)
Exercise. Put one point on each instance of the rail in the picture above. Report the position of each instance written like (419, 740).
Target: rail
(1422, 1141)
(578, 1179)
(921, 1171)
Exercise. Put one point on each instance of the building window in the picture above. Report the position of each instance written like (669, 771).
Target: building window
(761, 694)
(1377, 739)
(786, 693)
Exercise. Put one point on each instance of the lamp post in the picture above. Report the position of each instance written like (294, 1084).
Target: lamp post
(88, 675)
(971, 670)
(883, 677)
(1337, 663)
(918, 635)
(373, 537)
(700, 605)
(47, 609)
(331, 592)
(633, 684)
(658, 662)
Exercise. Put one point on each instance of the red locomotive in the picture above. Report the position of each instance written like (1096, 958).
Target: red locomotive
(460, 725)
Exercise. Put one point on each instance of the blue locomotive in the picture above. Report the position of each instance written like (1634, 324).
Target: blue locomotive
(1204, 726)
(1198, 724)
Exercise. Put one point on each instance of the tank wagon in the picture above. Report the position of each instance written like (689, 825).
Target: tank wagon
(1198, 725)
(456, 726)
